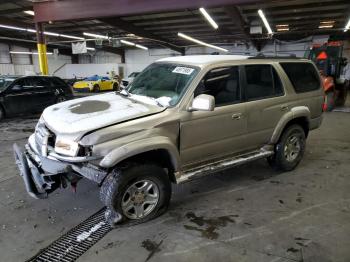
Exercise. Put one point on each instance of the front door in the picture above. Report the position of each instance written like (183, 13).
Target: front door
(43, 94)
(18, 97)
(208, 135)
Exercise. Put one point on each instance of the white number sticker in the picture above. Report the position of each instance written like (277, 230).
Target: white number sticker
(183, 70)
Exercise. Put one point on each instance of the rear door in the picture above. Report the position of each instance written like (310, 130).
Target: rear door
(18, 98)
(265, 100)
(214, 134)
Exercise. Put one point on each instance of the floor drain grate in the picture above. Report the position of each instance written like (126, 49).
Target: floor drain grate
(76, 241)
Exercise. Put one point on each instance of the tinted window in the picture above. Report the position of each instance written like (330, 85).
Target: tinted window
(38, 82)
(21, 84)
(223, 84)
(303, 76)
(262, 81)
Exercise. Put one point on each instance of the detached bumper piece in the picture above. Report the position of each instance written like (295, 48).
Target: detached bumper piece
(42, 175)
(29, 173)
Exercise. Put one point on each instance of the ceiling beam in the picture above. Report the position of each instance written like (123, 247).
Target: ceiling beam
(14, 10)
(128, 27)
(83, 9)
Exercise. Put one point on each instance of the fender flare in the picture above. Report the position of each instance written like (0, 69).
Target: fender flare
(142, 146)
(295, 112)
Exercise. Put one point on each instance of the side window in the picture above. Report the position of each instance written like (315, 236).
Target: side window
(262, 81)
(223, 84)
(56, 82)
(37, 82)
(303, 76)
(20, 84)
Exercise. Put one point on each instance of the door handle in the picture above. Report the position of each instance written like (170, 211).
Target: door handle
(284, 108)
(236, 116)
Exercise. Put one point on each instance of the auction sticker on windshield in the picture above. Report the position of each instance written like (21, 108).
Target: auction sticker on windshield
(183, 70)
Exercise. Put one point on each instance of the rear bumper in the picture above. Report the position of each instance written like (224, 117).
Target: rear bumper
(43, 175)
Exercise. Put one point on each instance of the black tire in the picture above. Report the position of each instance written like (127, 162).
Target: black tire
(115, 87)
(279, 161)
(61, 99)
(114, 190)
(2, 114)
(96, 88)
(330, 101)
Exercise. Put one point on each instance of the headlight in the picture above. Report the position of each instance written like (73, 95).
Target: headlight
(66, 147)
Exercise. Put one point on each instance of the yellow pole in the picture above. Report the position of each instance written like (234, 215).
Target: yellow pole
(42, 56)
(44, 69)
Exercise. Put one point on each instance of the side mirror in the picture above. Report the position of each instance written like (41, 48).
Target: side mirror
(203, 103)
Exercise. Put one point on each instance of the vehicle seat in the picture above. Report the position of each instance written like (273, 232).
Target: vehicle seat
(229, 94)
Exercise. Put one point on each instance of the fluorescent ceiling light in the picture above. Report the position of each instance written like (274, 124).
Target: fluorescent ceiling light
(127, 42)
(28, 53)
(133, 44)
(96, 35)
(34, 31)
(347, 26)
(325, 26)
(282, 25)
(73, 37)
(13, 27)
(200, 42)
(208, 17)
(29, 12)
(283, 29)
(327, 22)
(263, 18)
(90, 48)
(50, 33)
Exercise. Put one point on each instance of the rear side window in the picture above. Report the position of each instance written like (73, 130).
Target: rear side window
(56, 82)
(262, 81)
(303, 76)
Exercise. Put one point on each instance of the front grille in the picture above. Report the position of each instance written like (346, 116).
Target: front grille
(43, 138)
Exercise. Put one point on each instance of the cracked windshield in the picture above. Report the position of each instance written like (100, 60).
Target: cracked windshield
(164, 83)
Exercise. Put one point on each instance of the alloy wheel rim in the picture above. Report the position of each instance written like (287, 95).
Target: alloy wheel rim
(292, 148)
(140, 199)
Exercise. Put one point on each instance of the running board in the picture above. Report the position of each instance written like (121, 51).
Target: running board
(220, 165)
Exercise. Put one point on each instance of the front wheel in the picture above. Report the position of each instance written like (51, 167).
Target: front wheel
(289, 150)
(96, 88)
(138, 192)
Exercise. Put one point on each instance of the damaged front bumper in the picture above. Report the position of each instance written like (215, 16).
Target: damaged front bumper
(44, 174)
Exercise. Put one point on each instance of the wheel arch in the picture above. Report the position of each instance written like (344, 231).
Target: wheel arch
(158, 150)
(298, 115)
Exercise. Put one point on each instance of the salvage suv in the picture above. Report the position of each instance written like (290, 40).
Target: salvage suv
(180, 119)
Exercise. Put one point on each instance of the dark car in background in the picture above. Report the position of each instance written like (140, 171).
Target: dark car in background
(31, 94)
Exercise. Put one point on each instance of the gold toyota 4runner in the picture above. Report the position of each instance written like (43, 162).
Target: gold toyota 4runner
(181, 118)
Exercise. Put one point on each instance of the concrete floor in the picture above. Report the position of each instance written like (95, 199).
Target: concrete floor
(249, 213)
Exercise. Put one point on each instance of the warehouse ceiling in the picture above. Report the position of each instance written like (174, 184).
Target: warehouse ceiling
(289, 20)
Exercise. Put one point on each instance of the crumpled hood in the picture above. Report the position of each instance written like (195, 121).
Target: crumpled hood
(76, 117)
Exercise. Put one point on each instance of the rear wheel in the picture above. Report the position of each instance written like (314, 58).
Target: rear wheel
(138, 193)
(2, 113)
(115, 87)
(60, 99)
(330, 100)
(96, 88)
(289, 150)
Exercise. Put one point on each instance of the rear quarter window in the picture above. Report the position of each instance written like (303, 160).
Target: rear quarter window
(303, 76)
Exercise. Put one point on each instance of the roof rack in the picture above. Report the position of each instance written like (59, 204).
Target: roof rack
(262, 56)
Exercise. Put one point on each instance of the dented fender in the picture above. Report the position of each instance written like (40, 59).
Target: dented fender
(141, 146)
(295, 112)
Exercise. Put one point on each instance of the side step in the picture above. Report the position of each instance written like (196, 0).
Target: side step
(220, 165)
